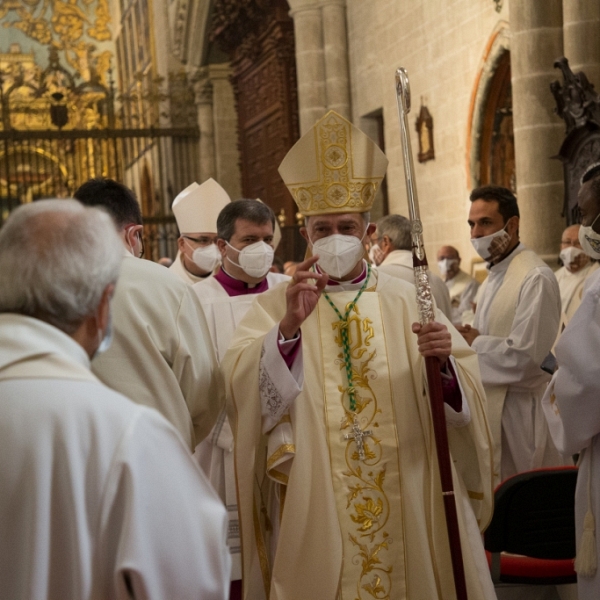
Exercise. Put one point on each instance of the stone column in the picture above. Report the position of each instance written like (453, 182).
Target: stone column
(537, 41)
(225, 123)
(582, 37)
(203, 91)
(310, 63)
(335, 45)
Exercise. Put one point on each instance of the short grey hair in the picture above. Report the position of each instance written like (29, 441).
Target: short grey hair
(397, 228)
(56, 259)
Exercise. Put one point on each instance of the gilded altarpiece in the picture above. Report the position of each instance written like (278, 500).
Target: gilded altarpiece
(258, 35)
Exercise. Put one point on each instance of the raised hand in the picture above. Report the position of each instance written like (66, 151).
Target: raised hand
(433, 339)
(301, 297)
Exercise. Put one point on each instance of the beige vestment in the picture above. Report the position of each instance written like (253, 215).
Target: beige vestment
(517, 316)
(215, 452)
(571, 289)
(398, 263)
(350, 528)
(161, 355)
(463, 289)
(98, 494)
(179, 269)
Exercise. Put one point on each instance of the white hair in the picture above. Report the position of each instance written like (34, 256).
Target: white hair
(56, 259)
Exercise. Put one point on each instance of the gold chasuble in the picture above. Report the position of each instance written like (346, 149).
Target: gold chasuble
(352, 528)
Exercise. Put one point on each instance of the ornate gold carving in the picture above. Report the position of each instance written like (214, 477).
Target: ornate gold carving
(67, 25)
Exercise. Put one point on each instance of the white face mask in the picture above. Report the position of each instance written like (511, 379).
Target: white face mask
(339, 254)
(570, 254)
(446, 265)
(492, 247)
(105, 341)
(255, 260)
(375, 255)
(207, 258)
(590, 240)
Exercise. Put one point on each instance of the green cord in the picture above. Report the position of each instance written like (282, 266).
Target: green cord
(344, 336)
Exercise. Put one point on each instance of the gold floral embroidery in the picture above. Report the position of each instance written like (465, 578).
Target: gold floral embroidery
(367, 502)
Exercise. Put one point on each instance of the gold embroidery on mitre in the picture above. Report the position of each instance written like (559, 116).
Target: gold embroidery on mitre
(333, 168)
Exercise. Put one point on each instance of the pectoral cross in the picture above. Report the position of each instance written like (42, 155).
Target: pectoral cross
(357, 435)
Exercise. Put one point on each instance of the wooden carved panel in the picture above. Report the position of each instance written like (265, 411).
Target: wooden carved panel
(259, 37)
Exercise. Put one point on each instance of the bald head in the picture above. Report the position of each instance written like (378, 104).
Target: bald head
(570, 236)
(448, 252)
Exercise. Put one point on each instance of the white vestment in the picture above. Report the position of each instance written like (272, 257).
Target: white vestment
(215, 453)
(399, 263)
(179, 269)
(527, 309)
(572, 407)
(346, 527)
(463, 289)
(161, 354)
(98, 494)
(571, 289)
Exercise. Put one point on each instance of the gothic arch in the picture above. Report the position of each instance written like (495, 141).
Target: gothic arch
(490, 150)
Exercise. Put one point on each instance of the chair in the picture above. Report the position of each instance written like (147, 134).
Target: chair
(531, 539)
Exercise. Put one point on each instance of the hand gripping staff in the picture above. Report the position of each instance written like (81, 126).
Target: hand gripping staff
(426, 315)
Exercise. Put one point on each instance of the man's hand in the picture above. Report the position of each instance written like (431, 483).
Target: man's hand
(468, 332)
(433, 339)
(301, 297)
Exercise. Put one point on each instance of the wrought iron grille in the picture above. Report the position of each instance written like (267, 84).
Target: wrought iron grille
(55, 135)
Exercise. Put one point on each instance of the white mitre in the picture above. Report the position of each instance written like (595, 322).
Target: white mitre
(197, 207)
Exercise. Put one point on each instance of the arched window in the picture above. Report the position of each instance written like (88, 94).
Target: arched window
(497, 147)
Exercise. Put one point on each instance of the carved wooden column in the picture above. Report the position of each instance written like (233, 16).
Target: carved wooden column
(537, 40)
(203, 91)
(582, 37)
(310, 64)
(335, 41)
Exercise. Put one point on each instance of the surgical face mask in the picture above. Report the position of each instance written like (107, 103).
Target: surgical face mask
(375, 254)
(445, 265)
(569, 255)
(105, 341)
(206, 258)
(492, 247)
(590, 240)
(255, 260)
(339, 254)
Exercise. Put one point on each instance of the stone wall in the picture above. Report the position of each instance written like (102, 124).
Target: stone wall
(441, 43)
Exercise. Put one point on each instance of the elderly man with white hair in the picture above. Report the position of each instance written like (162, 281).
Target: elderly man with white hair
(394, 241)
(81, 514)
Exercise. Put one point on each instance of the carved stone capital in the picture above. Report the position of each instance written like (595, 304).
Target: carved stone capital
(577, 103)
(203, 91)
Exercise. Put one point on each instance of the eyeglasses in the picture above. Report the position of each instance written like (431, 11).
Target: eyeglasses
(202, 241)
